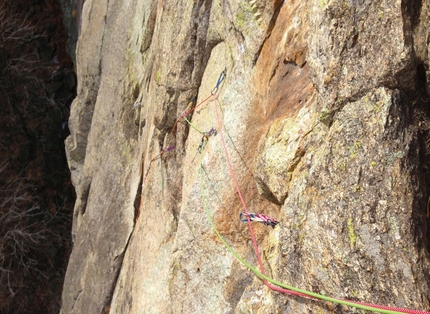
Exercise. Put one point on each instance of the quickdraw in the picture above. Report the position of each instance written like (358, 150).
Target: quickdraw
(218, 83)
(205, 138)
(266, 220)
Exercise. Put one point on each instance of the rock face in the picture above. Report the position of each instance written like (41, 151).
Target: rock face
(324, 114)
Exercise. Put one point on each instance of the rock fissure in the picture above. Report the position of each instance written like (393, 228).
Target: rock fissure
(137, 200)
(276, 9)
(118, 261)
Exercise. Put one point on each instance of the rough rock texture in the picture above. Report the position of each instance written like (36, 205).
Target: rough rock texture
(325, 116)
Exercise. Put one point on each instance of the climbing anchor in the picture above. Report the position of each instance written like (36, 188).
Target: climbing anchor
(266, 220)
(205, 138)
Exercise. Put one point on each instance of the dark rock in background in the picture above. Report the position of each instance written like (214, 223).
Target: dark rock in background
(70, 22)
(37, 86)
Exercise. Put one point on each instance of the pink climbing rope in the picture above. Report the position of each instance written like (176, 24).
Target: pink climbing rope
(390, 308)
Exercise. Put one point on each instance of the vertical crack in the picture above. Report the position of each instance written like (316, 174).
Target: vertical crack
(277, 8)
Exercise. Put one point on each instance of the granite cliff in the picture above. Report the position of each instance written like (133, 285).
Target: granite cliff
(324, 113)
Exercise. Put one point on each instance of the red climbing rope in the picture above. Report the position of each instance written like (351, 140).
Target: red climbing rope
(390, 308)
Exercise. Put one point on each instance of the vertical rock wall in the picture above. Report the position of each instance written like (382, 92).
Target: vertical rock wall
(324, 115)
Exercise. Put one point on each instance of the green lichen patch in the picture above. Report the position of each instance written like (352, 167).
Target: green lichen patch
(240, 19)
(352, 236)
